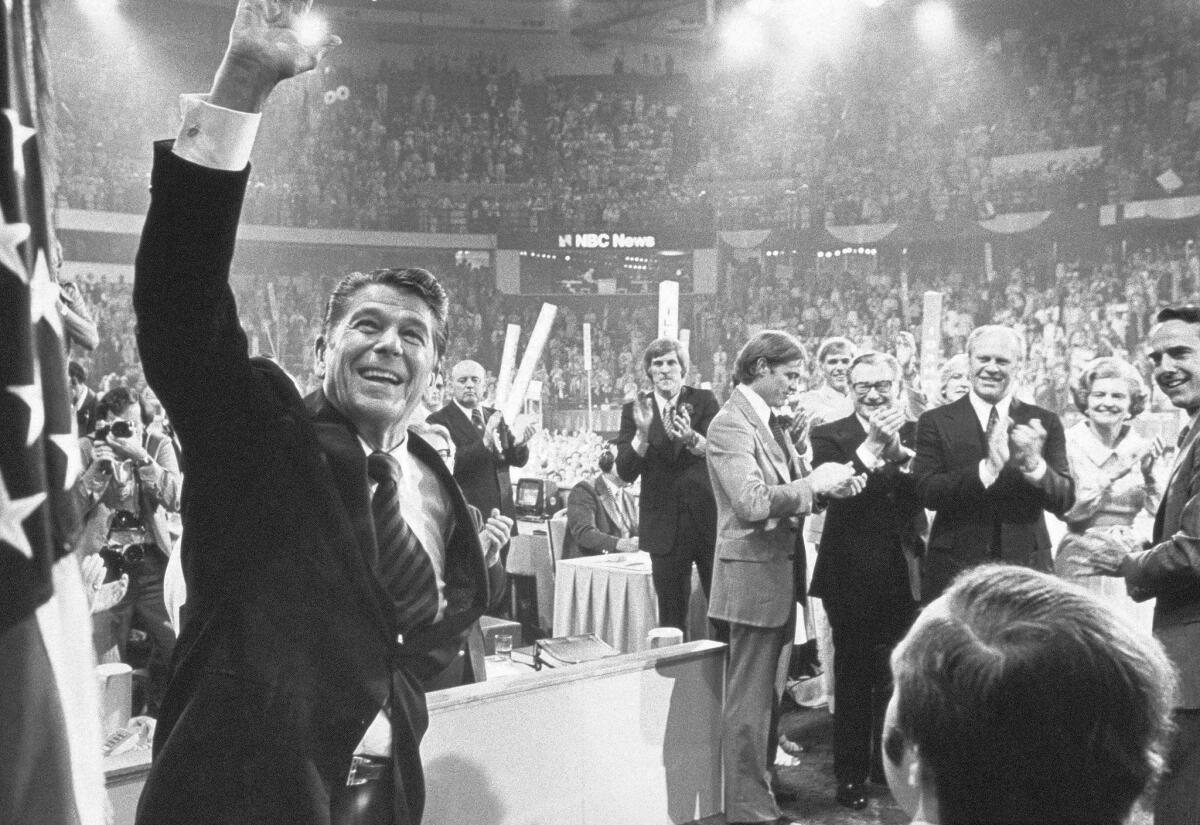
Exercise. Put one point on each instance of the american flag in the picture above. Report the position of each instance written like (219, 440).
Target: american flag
(50, 768)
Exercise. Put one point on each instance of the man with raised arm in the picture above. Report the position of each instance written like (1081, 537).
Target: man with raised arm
(332, 563)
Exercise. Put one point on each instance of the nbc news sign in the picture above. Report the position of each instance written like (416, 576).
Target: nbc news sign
(605, 240)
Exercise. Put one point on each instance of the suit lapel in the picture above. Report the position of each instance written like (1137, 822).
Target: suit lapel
(965, 431)
(608, 501)
(765, 438)
(1176, 497)
(343, 470)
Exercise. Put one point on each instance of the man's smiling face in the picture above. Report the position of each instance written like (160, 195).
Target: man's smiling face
(376, 361)
(1175, 353)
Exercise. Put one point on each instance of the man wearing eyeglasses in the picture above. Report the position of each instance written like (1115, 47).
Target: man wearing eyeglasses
(989, 466)
(861, 574)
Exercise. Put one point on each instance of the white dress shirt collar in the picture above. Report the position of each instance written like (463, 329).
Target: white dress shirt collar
(757, 404)
(983, 409)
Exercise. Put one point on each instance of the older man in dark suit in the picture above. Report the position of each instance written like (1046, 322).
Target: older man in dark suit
(861, 574)
(1168, 569)
(662, 441)
(484, 446)
(331, 560)
(990, 466)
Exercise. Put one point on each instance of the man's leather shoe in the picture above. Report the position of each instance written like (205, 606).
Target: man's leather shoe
(851, 795)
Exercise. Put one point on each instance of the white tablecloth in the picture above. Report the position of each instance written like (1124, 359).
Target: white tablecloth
(610, 595)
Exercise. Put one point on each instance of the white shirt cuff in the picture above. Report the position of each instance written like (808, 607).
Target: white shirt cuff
(869, 459)
(986, 475)
(213, 136)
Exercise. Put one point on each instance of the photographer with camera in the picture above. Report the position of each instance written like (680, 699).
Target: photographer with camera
(131, 483)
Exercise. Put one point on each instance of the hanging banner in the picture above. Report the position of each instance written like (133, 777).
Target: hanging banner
(931, 342)
(668, 309)
(508, 364)
(529, 362)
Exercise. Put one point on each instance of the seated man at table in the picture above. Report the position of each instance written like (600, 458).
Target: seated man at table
(602, 516)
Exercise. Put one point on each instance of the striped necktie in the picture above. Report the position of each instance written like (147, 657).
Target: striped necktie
(404, 567)
(477, 419)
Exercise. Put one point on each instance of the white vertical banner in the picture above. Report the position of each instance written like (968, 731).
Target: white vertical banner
(508, 364)
(989, 268)
(668, 309)
(587, 367)
(685, 339)
(529, 362)
(931, 341)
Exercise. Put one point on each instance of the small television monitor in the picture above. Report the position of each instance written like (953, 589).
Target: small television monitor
(531, 497)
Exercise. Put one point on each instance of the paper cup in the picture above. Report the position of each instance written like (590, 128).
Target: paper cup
(663, 637)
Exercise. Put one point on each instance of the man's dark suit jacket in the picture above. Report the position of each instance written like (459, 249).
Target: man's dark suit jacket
(861, 563)
(484, 478)
(289, 647)
(673, 479)
(950, 445)
(593, 520)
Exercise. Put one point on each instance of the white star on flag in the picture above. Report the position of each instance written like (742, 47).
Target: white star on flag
(31, 394)
(20, 134)
(11, 236)
(68, 444)
(12, 513)
(43, 296)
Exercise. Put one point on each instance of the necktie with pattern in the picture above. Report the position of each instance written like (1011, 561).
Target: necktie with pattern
(477, 419)
(403, 566)
(996, 545)
(778, 430)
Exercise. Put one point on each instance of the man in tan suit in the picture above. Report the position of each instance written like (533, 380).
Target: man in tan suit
(760, 495)
(1168, 568)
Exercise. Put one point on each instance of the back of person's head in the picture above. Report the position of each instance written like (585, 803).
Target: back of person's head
(1027, 700)
(607, 458)
(76, 372)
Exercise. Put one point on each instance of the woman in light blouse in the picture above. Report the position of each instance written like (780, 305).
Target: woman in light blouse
(1113, 467)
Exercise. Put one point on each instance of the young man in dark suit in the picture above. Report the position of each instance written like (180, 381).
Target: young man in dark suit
(484, 445)
(332, 563)
(1167, 569)
(990, 465)
(861, 574)
(662, 441)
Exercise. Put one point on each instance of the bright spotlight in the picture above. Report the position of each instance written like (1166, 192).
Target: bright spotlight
(827, 25)
(935, 22)
(743, 37)
(313, 29)
(873, 4)
(98, 8)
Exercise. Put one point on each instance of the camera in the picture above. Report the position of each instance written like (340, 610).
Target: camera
(119, 429)
(121, 558)
(126, 546)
